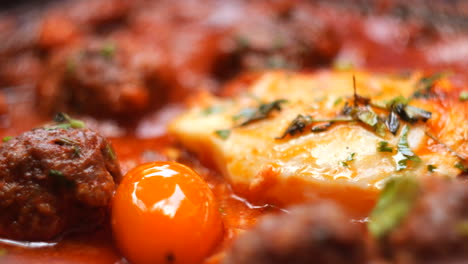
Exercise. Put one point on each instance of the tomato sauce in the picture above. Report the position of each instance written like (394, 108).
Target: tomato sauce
(375, 42)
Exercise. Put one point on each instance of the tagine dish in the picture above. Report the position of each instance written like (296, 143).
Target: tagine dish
(234, 132)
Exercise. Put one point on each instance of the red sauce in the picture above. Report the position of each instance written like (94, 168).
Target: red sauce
(371, 42)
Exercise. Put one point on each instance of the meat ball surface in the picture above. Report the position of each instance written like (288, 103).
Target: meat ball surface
(436, 228)
(54, 180)
(319, 233)
(105, 78)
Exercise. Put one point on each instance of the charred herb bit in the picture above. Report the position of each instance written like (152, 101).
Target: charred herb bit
(7, 138)
(431, 168)
(383, 146)
(412, 114)
(263, 111)
(69, 142)
(223, 133)
(463, 96)
(297, 125)
(66, 141)
(321, 127)
(404, 153)
(392, 123)
(461, 167)
(59, 177)
(110, 152)
(393, 205)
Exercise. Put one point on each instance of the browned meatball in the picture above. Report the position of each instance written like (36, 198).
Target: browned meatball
(316, 234)
(436, 229)
(114, 78)
(54, 180)
(288, 38)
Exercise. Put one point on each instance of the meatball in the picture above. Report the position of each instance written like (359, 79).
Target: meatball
(53, 180)
(316, 234)
(291, 39)
(104, 78)
(436, 228)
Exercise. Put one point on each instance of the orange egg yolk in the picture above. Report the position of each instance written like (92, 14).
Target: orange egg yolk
(164, 212)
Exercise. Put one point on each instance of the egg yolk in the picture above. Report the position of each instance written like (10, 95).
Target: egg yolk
(164, 212)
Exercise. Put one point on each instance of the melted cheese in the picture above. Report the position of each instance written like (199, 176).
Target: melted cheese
(310, 165)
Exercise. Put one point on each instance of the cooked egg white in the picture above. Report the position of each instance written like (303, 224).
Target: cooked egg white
(342, 162)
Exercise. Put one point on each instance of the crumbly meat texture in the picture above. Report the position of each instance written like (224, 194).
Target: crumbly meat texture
(55, 180)
(436, 227)
(104, 78)
(320, 233)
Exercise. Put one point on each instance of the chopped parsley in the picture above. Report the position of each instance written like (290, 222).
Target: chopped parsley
(368, 117)
(383, 146)
(350, 158)
(262, 112)
(3, 252)
(404, 153)
(393, 205)
(110, 152)
(60, 178)
(431, 168)
(215, 109)
(7, 138)
(108, 50)
(66, 122)
(461, 167)
(338, 101)
(70, 142)
(223, 133)
(463, 96)
(425, 85)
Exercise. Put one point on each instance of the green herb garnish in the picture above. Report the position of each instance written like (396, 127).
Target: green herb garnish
(59, 177)
(461, 167)
(393, 205)
(110, 152)
(108, 50)
(223, 133)
(3, 252)
(425, 85)
(431, 168)
(338, 101)
(7, 138)
(215, 109)
(345, 163)
(404, 153)
(383, 146)
(463, 96)
(70, 142)
(66, 122)
(263, 111)
(368, 117)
